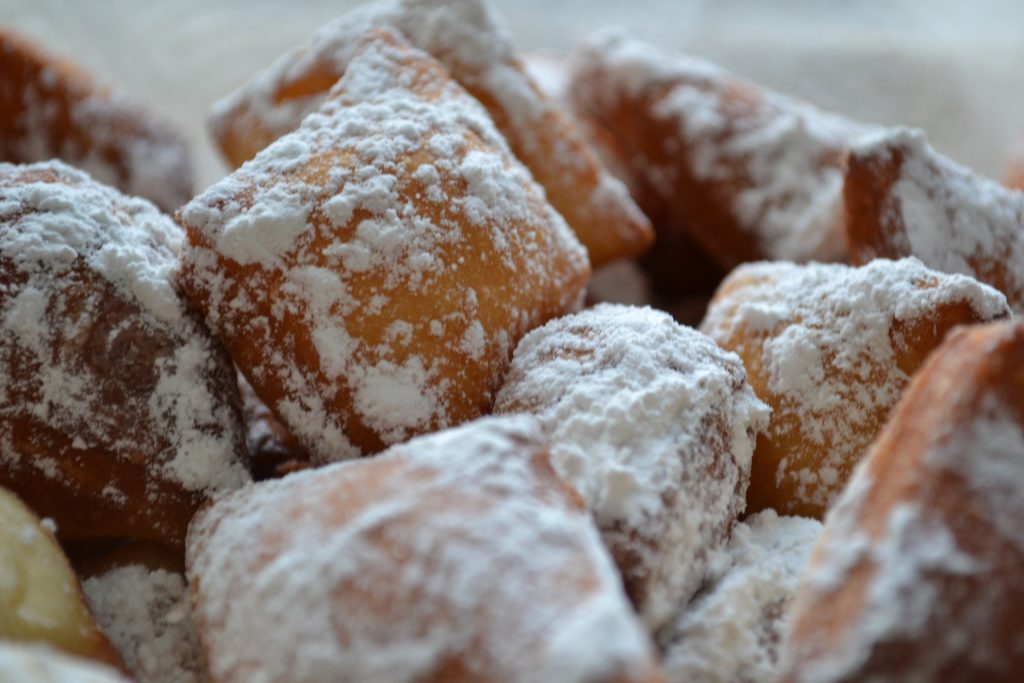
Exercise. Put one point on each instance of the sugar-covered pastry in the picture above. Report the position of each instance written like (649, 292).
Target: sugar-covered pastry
(905, 199)
(458, 556)
(50, 108)
(654, 426)
(746, 173)
(470, 40)
(918, 573)
(371, 272)
(38, 663)
(732, 630)
(40, 598)
(830, 348)
(119, 413)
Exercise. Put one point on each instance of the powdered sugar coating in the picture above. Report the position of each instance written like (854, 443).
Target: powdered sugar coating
(471, 41)
(381, 225)
(500, 575)
(654, 425)
(43, 664)
(731, 633)
(830, 348)
(49, 109)
(90, 319)
(147, 615)
(776, 161)
(944, 214)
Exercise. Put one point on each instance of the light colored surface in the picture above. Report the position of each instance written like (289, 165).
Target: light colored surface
(948, 67)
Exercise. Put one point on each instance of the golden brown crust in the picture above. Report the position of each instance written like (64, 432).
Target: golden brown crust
(50, 108)
(957, 614)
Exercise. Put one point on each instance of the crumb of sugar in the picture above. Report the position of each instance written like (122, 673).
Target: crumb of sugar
(824, 335)
(789, 187)
(732, 631)
(147, 615)
(638, 410)
(465, 583)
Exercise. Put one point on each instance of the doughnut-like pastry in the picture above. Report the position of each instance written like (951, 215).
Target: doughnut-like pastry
(50, 108)
(458, 556)
(905, 199)
(917, 576)
(371, 272)
(41, 599)
(23, 662)
(147, 614)
(746, 173)
(830, 348)
(732, 631)
(654, 425)
(119, 414)
(470, 40)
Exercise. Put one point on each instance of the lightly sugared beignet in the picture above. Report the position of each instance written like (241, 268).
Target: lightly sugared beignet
(470, 40)
(40, 597)
(457, 557)
(732, 631)
(24, 662)
(372, 272)
(119, 413)
(49, 108)
(654, 425)
(830, 348)
(917, 576)
(905, 199)
(746, 173)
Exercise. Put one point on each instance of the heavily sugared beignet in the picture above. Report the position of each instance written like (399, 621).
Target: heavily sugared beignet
(746, 173)
(918, 573)
(732, 631)
(458, 556)
(372, 272)
(49, 108)
(119, 413)
(904, 199)
(654, 426)
(830, 349)
(40, 597)
(22, 662)
(470, 40)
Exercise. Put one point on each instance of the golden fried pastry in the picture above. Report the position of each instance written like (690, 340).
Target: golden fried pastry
(119, 413)
(372, 272)
(40, 598)
(905, 199)
(468, 38)
(25, 662)
(458, 556)
(918, 576)
(731, 632)
(49, 108)
(745, 173)
(830, 349)
(654, 425)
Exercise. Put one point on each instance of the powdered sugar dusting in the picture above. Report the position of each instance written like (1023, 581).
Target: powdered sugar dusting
(148, 617)
(824, 338)
(732, 631)
(640, 412)
(297, 577)
(783, 160)
(426, 188)
(950, 217)
(80, 260)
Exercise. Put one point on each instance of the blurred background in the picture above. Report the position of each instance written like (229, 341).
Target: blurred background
(952, 68)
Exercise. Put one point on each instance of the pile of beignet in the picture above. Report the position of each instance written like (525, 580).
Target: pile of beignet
(362, 411)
